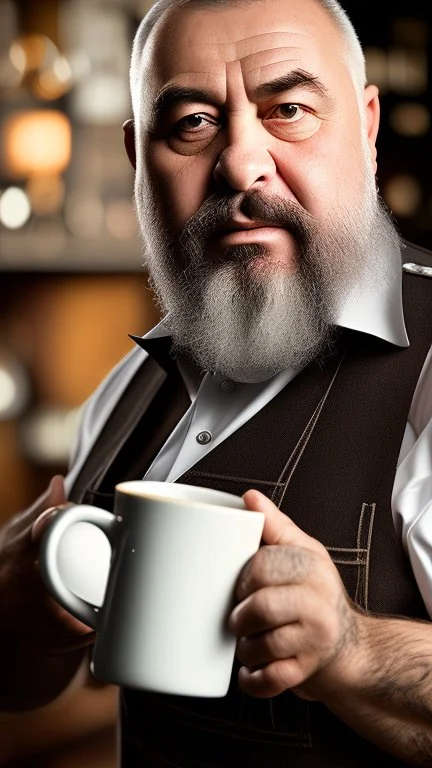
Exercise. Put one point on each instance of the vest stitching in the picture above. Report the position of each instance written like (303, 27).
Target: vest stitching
(354, 550)
(372, 508)
(248, 480)
(359, 559)
(362, 590)
(299, 449)
(339, 561)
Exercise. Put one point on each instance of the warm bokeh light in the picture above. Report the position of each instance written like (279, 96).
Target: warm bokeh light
(403, 194)
(46, 194)
(8, 390)
(410, 119)
(410, 32)
(15, 208)
(377, 67)
(407, 71)
(30, 53)
(102, 98)
(37, 142)
(18, 57)
(120, 219)
(84, 215)
(48, 434)
(43, 70)
(55, 82)
(14, 386)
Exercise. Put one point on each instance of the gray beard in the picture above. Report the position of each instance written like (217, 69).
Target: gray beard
(233, 318)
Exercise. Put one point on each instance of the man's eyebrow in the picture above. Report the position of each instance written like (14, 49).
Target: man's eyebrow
(292, 80)
(173, 95)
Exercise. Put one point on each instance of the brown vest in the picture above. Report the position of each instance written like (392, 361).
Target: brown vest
(325, 450)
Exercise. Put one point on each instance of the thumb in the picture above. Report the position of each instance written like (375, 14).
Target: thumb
(53, 497)
(54, 494)
(278, 527)
(56, 491)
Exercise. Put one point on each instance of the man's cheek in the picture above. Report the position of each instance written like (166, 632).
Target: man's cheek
(179, 186)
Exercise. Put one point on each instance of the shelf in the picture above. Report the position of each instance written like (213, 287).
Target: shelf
(62, 253)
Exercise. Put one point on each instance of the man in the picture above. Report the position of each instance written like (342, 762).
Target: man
(293, 364)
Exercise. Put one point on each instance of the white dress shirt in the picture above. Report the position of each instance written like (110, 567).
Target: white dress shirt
(219, 406)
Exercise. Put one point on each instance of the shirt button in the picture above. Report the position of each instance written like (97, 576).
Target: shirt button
(228, 386)
(203, 438)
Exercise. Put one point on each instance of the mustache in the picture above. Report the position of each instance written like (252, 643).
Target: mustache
(218, 212)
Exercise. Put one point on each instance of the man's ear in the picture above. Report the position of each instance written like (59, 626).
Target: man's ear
(129, 140)
(372, 107)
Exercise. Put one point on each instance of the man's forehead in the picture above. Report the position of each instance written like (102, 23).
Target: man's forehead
(253, 54)
(244, 49)
(200, 41)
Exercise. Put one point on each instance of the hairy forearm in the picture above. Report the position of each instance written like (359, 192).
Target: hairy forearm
(388, 699)
(31, 680)
(41, 645)
(85, 710)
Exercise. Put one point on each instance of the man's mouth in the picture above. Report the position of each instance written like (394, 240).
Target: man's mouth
(245, 226)
(254, 232)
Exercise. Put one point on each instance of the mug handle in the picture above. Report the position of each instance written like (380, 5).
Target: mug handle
(81, 513)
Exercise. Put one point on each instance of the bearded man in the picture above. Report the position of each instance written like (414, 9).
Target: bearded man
(293, 365)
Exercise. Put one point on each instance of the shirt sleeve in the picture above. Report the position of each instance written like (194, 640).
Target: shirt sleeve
(412, 491)
(97, 408)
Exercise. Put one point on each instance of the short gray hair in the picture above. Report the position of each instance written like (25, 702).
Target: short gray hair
(354, 52)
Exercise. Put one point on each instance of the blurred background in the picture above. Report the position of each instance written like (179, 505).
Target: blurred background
(72, 284)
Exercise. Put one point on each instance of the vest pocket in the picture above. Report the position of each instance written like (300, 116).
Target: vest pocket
(353, 563)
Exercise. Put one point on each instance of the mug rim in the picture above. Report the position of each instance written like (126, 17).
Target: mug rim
(127, 485)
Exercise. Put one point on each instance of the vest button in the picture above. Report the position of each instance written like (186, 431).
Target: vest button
(203, 438)
(227, 386)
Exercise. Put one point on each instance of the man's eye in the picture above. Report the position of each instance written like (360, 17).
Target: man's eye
(291, 112)
(194, 123)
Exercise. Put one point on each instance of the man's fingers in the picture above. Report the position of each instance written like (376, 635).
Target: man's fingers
(278, 528)
(53, 496)
(42, 521)
(71, 624)
(47, 504)
(272, 679)
(56, 491)
(279, 643)
(266, 609)
(288, 553)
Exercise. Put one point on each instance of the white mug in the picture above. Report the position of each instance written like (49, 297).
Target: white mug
(176, 554)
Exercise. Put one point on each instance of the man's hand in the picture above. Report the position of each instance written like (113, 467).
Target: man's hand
(296, 625)
(41, 645)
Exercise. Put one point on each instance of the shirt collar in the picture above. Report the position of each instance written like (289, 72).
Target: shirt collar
(157, 343)
(373, 306)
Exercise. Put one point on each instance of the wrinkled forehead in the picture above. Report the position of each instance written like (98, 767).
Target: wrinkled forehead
(195, 44)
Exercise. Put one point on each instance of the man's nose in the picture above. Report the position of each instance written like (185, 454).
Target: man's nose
(246, 161)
